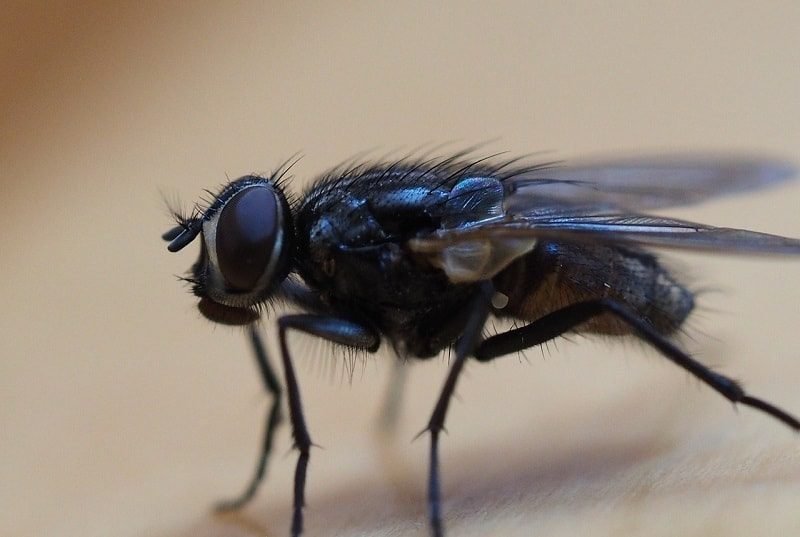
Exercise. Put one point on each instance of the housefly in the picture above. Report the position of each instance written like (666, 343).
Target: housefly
(419, 253)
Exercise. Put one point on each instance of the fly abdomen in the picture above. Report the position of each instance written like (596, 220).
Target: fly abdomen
(555, 275)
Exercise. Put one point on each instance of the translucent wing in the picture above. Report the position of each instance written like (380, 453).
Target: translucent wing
(565, 205)
(645, 182)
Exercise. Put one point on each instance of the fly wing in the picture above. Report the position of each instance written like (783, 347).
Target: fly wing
(478, 252)
(644, 182)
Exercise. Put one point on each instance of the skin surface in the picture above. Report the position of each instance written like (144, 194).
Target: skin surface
(125, 413)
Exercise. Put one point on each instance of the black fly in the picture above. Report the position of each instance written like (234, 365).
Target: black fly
(419, 253)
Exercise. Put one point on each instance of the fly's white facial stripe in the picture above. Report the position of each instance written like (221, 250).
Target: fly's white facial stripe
(216, 287)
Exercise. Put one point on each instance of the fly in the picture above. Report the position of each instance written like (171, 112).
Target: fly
(419, 253)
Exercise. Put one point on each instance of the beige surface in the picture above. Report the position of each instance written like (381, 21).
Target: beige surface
(124, 414)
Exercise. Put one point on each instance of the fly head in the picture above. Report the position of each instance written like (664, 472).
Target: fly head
(245, 250)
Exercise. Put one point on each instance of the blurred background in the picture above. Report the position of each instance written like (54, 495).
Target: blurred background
(124, 413)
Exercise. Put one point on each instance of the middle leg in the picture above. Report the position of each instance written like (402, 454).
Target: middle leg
(479, 311)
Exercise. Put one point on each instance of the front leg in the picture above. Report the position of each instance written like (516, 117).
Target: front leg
(273, 387)
(333, 329)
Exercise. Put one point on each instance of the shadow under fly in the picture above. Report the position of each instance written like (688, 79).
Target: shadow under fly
(419, 253)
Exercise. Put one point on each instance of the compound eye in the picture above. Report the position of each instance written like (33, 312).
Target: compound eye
(247, 231)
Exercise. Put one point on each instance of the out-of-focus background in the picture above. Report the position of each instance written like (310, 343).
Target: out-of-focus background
(123, 413)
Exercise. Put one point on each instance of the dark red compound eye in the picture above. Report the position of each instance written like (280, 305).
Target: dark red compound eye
(247, 230)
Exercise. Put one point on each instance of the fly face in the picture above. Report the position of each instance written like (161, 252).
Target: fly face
(246, 240)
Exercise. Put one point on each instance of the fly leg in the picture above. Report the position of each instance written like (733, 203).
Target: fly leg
(390, 410)
(561, 321)
(386, 429)
(479, 310)
(333, 329)
(273, 419)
